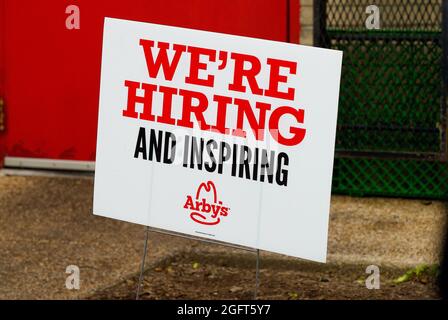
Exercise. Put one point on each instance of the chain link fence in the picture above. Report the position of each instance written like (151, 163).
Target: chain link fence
(392, 126)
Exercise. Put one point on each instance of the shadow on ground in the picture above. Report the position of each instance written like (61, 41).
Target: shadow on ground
(208, 275)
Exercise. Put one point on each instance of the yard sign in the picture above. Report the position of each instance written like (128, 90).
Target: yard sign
(217, 136)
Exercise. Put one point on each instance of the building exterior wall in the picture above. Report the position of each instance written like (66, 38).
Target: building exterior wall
(306, 22)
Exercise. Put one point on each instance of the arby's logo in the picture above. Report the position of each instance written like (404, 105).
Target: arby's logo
(205, 207)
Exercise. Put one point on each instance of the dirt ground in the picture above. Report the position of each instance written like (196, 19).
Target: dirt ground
(46, 224)
(207, 275)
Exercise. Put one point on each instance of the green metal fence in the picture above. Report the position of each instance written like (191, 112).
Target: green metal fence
(391, 136)
(390, 177)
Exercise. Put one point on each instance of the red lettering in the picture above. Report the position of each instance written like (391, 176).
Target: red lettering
(249, 74)
(133, 99)
(196, 65)
(198, 110)
(275, 78)
(244, 108)
(169, 68)
(223, 102)
(196, 103)
(298, 133)
(167, 105)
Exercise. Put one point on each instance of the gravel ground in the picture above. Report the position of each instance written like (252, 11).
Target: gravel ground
(396, 232)
(46, 224)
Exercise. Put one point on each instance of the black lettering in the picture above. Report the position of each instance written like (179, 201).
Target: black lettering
(155, 144)
(282, 174)
(245, 158)
(211, 167)
(141, 144)
(168, 157)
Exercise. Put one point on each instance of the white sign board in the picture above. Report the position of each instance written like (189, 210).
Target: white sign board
(217, 136)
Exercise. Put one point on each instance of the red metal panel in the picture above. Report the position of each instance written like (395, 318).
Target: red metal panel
(2, 32)
(294, 21)
(52, 73)
(2, 73)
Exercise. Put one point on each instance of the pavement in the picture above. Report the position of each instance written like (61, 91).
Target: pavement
(46, 224)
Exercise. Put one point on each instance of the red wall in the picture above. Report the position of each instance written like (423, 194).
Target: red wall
(51, 74)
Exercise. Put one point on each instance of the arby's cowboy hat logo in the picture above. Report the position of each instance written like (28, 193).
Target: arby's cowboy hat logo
(205, 206)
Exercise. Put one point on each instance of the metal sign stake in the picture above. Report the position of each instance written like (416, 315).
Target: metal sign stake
(145, 251)
(257, 275)
(142, 268)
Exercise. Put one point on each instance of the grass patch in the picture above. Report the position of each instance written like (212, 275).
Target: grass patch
(422, 273)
